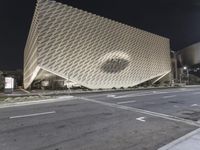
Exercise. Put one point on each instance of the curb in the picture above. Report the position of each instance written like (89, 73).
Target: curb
(34, 102)
(179, 140)
(84, 92)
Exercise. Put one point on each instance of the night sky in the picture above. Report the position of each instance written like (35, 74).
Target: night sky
(178, 20)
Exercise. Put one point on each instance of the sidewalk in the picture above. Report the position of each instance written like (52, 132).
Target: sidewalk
(19, 93)
(190, 141)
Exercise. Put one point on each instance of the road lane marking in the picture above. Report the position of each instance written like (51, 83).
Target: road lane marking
(125, 102)
(110, 95)
(137, 95)
(114, 94)
(176, 106)
(195, 105)
(137, 110)
(32, 115)
(170, 96)
(149, 93)
(141, 119)
(196, 93)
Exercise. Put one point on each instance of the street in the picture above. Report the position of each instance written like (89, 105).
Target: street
(128, 120)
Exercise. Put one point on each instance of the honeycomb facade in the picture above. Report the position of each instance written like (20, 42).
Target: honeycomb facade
(91, 50)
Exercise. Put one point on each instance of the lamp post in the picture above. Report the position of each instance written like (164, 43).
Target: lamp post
(187, 73)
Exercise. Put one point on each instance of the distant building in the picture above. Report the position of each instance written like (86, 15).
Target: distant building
(190, 55)
(66, 43)
(189, 64)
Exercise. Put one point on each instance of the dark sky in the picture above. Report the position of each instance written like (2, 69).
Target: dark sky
(178, 20)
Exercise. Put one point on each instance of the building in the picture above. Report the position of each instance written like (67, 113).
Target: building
(189, 64)
(69, 44)
(190, 55)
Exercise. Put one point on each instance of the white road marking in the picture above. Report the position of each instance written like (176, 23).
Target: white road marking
(150, 93)
(110, 95)
(32, 115)
(155, 114)
(195, 105)
(125, 102)
(141, 119)
(196, 93)
(170, 96)
(64, 97)
(176, 106)
(137, 95)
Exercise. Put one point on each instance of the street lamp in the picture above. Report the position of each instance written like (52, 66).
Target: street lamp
(185, 68)
(187, 71)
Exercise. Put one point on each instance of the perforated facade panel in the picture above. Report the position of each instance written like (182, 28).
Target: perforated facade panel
(91, 50)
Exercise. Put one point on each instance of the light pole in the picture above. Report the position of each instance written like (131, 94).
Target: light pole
(187, 73)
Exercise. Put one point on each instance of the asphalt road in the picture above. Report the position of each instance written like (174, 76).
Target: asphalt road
(130, 120)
